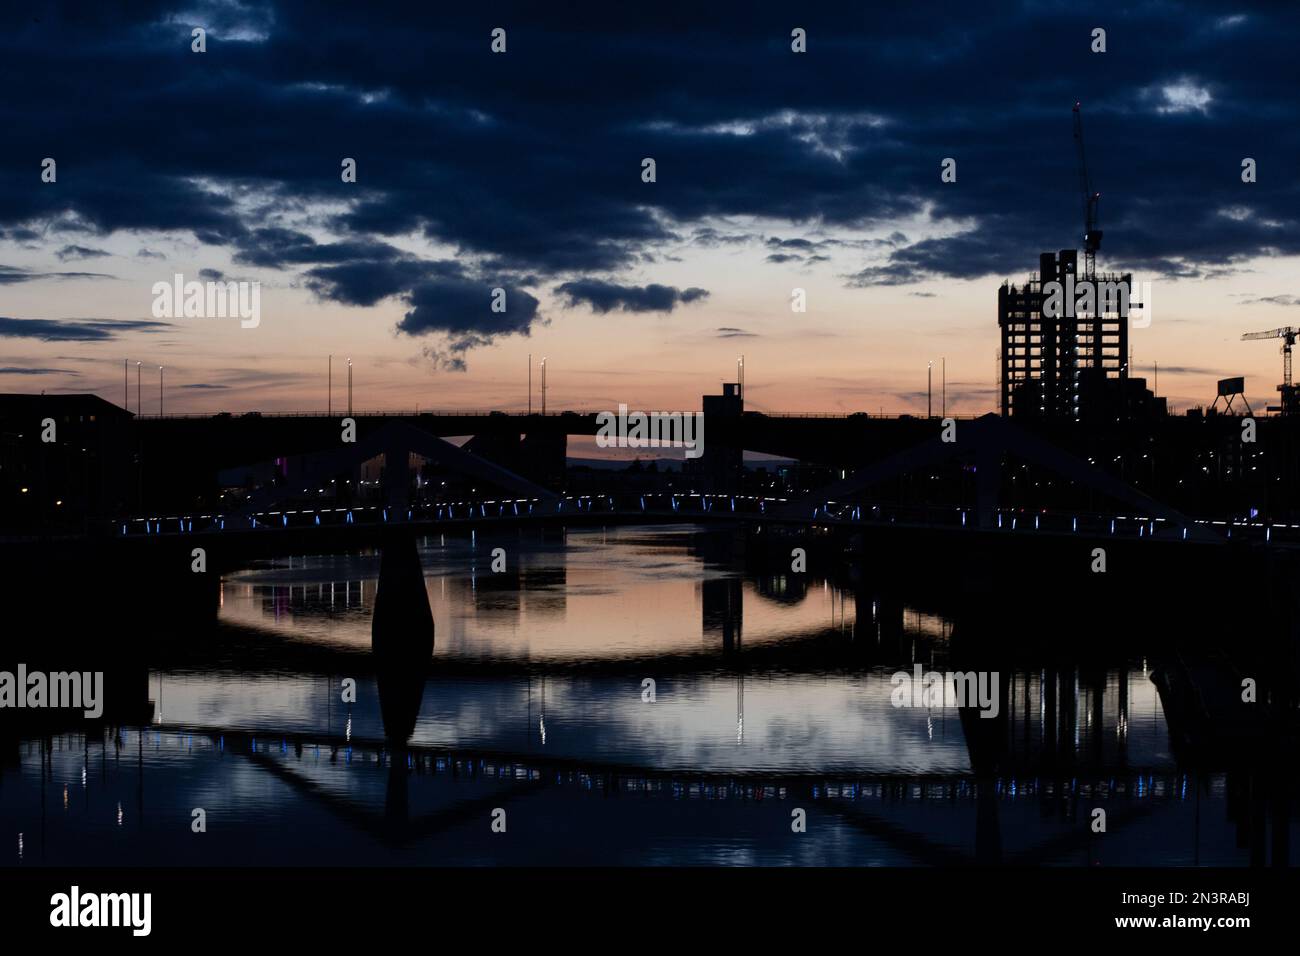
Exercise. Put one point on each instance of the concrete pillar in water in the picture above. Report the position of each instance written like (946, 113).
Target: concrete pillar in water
(401, 635)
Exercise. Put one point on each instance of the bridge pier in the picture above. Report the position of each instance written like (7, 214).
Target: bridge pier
(401, 635)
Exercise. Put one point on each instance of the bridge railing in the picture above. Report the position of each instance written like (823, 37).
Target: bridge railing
(695, 506)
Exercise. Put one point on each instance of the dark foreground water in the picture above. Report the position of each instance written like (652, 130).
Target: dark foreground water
(624, 696)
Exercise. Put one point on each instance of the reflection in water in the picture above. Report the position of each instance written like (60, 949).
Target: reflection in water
(770, 691)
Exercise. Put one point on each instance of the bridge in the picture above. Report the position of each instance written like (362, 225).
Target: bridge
(984, 447)
(107, 462)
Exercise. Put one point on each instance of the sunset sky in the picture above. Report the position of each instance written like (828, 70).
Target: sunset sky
(775, 170)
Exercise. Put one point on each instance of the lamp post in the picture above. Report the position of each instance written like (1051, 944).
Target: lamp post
(530, 383)
(349, 388)
(929, 388)
(943, 400)
(329, 388)
(139, 409)
(543, 385)
(160, 391)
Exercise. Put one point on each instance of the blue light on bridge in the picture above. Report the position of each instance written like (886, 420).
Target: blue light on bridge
(1112, 525)
(284, 520)
(643, 502)
(1074, 523)
(318, 520)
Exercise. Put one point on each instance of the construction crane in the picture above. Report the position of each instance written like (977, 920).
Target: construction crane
(1091, 234)
(1288, 336)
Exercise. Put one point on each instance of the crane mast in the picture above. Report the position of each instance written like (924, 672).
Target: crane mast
(1288, 335)
(1091, 234)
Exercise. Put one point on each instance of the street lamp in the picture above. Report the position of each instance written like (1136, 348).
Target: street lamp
(139, 409)
(160, 391)
(929, 388)
(349, 388)
(543, 384)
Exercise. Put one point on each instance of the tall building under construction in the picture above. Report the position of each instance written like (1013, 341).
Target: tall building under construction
(1062, 362)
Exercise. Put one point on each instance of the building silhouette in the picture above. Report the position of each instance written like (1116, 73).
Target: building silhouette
(1062, 361)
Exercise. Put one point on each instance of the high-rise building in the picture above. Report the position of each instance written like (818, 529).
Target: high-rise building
(1057, 345)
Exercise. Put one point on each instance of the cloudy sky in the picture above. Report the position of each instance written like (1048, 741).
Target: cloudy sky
(775, 170)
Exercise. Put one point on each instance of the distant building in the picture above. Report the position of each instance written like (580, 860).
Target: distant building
(722, 465)
(1057, 360)
(87, 472)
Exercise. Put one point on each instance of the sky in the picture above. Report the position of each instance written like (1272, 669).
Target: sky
(522, 171)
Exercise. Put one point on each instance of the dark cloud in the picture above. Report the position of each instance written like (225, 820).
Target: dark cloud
(726, 332)
(460, 309)
(80, 252)
(1273, 300)
(530, 162)
(1189, 370)
(366, 282)
(74, 330)
(607, 296)
(204, 386)
(21, 370)
(11, 275)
